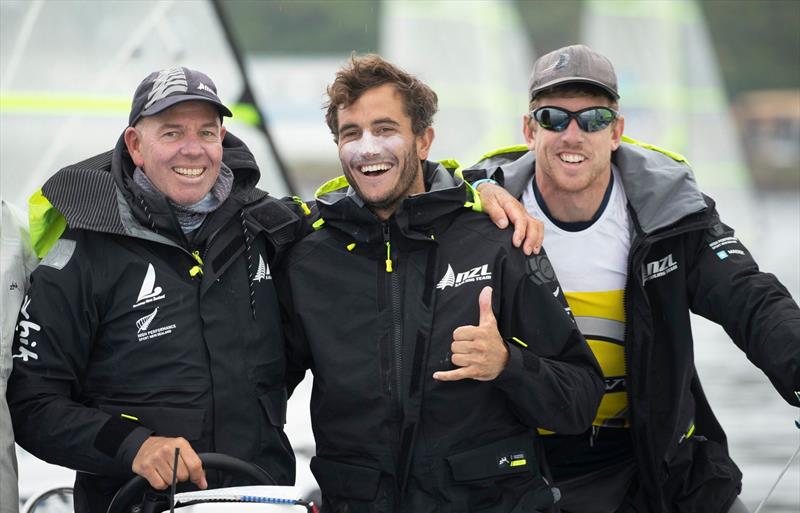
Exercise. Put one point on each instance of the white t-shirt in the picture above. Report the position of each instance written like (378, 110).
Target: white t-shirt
(591, 265)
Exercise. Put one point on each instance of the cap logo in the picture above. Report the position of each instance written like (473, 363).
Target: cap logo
(204, 87)
(563, 60)
(167, 82)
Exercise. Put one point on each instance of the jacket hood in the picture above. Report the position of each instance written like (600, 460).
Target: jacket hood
(341, 207)
(660, 185)
(99, 194)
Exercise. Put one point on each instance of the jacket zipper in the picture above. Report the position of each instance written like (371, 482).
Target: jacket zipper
(397, 332)
(639, 248)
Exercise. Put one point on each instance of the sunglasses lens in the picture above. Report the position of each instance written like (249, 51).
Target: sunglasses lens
(551, 118)
(594, 120)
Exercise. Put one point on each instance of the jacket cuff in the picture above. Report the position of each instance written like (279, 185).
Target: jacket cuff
(120, 439)
(520, 362)
(131, 444)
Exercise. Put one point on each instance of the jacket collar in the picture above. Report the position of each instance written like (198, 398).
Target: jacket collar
(417, 216)
(660, 190)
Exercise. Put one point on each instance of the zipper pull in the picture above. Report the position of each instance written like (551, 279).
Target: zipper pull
(388, 247)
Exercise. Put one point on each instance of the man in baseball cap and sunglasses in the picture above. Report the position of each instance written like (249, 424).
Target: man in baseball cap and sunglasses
(636, 246)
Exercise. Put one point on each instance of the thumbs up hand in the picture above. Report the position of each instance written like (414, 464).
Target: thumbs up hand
(478, 351)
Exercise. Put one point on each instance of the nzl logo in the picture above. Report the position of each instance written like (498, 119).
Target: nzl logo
(451, 279)
(658, 268)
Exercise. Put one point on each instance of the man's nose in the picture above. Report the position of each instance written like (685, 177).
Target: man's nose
(192, 146)
(369, 145)
(573, 132)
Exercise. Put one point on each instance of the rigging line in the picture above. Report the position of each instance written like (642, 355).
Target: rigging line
(24, 35)
(780, 476)
(122, 56)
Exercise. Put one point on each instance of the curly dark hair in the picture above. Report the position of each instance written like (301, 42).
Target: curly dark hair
(371, 70)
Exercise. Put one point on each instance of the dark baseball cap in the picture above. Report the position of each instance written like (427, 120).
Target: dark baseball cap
(161, 90)
(573, 64)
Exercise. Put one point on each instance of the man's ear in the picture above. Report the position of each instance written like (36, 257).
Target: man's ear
(424, 143)
(222, 132)
(133, 140)
(528, 132)
(616, 133)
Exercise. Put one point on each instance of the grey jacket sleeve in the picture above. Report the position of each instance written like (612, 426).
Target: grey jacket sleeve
(16, 262)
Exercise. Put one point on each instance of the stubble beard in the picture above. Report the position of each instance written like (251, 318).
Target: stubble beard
(395, 196)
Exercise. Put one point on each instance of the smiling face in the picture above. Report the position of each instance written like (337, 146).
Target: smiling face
(179, 149)
(379, 152)
(572, 162)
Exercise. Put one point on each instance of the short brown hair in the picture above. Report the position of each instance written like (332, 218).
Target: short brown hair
(365, 72)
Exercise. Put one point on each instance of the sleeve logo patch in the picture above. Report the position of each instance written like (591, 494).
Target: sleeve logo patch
(725, 253)
(60, 254)
(540, 270)
(26, 328)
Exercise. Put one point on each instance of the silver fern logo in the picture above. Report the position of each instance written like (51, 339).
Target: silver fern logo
(451, 279)
(168, 81)
(145, 321)
(262, 273)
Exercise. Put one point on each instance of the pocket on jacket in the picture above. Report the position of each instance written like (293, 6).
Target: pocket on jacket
(165, 421)
(274, 404)
(514, 455)
(500, 476)
(337, 479)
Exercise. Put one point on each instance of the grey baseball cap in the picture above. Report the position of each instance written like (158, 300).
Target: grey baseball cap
(570, 65)
(161, 90)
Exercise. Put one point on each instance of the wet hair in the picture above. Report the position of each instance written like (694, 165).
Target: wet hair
(368, 71)
(573, 90)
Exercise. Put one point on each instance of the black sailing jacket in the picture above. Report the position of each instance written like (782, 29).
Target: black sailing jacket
(682, 259)
(389, 437)
(121, 337)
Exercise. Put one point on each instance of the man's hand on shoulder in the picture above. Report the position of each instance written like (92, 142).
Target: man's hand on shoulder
(478, 351)
(503, 208)
(156, 457)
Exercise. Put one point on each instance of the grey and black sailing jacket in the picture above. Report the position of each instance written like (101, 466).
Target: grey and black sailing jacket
(371, 307)
(129, 329)
(682, 259)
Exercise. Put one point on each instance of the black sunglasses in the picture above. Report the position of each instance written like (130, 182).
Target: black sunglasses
(592, 119)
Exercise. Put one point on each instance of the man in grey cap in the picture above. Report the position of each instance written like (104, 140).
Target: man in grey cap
(152, 322)
(636, 247)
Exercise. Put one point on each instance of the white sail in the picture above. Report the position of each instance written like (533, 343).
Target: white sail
(672, 93)
(69, 69)
(477, 58)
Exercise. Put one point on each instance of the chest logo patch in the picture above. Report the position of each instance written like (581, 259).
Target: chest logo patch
(451, 279)
(262, 273)
(658, 268)
(149, 292)
(143, 327)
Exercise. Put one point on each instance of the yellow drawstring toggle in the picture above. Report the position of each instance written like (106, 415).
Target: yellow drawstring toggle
(198, 269)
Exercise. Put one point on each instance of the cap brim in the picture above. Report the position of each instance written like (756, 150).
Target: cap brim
(573, 80)
(170, 101)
